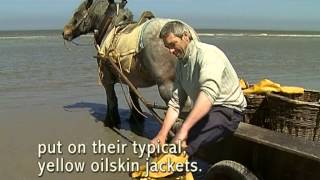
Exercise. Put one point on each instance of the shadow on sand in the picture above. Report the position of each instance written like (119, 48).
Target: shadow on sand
(149, 128)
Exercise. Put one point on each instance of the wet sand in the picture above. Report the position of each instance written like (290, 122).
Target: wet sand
(23, 129)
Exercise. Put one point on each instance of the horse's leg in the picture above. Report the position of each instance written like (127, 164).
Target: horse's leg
(165, 90)
(135, 115)
(112, 117)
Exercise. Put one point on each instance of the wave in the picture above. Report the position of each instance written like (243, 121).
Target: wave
(25, 37)
(259, 35)
(36, 37)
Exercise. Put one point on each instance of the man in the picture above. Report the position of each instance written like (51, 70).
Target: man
(203, 73)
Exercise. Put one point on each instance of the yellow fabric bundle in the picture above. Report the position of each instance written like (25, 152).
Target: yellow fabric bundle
(292, 90)
(243, 84)
(267, 85)
(167, 174)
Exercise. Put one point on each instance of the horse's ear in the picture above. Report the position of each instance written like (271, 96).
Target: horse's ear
(123, 3)
(89, 3)
(111, 1)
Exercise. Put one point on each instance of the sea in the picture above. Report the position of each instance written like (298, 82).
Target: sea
(37, 68)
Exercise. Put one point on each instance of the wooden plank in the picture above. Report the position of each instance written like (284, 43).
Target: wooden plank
(282, 142)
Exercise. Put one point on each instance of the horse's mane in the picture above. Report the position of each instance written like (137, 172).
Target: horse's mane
(124, 16)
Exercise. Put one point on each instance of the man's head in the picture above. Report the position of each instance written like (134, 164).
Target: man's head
(176, 37)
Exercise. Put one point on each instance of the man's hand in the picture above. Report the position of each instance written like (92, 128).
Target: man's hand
(201, 108)
(169, 120)
(159, 139)
(181, 137)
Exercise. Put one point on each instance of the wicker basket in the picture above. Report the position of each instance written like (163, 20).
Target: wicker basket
(257, 110)
(297, 115)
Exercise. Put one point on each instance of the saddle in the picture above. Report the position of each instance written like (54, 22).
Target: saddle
(122, 43)
(146, 15)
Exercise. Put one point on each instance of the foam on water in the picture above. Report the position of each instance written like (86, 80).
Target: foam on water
(259, 35)
(25, 37)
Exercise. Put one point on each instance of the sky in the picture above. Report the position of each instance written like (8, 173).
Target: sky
(218, 14)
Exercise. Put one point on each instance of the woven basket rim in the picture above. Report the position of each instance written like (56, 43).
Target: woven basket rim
(312, 90)
(247, 94)
(298, 102)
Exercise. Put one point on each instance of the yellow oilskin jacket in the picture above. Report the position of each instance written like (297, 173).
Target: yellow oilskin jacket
(165, 173)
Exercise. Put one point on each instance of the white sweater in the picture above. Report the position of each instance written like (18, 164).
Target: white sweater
(206, 68)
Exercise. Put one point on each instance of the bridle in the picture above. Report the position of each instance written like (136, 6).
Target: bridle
(105, 26)
(85, 16)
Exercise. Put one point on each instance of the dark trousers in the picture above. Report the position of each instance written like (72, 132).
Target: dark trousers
(217, 124)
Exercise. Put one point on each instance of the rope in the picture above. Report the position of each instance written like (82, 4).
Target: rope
(80, 44)
(76, 44)
(131, 101)
(65, 45)
(110, 49)
(141, 113)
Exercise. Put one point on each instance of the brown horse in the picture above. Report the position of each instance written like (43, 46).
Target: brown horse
(154, 65)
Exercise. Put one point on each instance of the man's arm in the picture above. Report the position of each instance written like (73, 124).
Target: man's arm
(177, 100)
(211, 70)
(201, 107)
(169, 120)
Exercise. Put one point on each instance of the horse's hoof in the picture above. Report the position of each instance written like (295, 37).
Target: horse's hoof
(137, 127)
(107, 123)
(136, 118)
(111, 123)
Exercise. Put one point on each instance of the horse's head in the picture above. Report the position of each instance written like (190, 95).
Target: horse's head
(90, 15)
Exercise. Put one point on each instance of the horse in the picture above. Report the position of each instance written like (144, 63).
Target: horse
(154, 64)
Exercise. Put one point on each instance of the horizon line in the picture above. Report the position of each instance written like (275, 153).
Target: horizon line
(197, 29)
